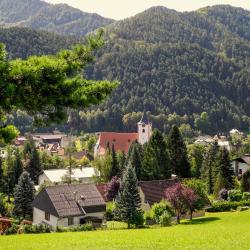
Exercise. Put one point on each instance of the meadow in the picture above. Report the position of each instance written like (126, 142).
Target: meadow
(215, 231)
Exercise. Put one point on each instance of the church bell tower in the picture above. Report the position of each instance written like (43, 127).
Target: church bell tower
(144, 129)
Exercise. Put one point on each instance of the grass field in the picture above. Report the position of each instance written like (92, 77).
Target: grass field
(215, 231)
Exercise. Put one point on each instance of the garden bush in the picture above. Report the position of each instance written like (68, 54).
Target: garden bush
(165, 219)
(225, 206)
(234, 195)
(158, 209)
(246, 196)
(80, 228)
(36, 229)
(110, 211)
(12, 230)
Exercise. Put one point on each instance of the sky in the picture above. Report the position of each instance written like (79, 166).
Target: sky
(119, 9)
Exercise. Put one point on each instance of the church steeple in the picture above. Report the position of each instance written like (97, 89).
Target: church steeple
(144, 129)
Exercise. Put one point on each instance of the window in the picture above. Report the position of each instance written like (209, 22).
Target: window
(47, 216)
(70, 221)
(143, 131)
(240, 171)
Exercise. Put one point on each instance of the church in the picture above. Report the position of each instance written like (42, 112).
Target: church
(123, 141)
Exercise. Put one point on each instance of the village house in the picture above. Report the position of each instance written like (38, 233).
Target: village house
(69, 205)
(57, 176)
(241, 164)
(123, 141)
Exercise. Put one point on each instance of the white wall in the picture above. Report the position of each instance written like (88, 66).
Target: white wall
(144, 132)
(39, 217)
(243, 166)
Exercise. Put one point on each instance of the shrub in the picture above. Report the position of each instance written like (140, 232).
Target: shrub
(165, 219)
(246, 196)
(36, 229)
(110, 208)
(138, 219)
(225, 206)
(12, 230)
(80, 228)
(234, 195)
(158, 209)
(223, 194)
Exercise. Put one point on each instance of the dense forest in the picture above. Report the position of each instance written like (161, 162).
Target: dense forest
(183, 68)
(59, 18)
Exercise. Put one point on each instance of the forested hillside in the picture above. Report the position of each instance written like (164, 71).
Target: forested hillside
(59, 18)
(175, 66)
(24, 42)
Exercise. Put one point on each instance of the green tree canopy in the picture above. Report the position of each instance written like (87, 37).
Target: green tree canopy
(47, 86)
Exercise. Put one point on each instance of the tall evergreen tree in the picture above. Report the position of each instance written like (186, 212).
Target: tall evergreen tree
(115, 171)
(17, 166)
(209, 171)
(156, 158)
(225, 170)
(23, 196)
(2, 182)
(128, 200)
(33, 162)
(178, 154)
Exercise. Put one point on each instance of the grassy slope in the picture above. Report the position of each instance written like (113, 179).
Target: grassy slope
(216, 231)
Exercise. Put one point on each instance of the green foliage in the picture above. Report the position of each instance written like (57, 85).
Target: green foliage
(23, 196)
(209, 171)
(246, 196)
(158, 209)
(3, 209)
(199, 187)
(80, 228)
(47, 102)
(36, 229)
(12, 230)
(110, 211)
(155, 164)
(115, 171)
(225, 206)
(165, 219)
(178, 154)
(234, 195)
(128, 201)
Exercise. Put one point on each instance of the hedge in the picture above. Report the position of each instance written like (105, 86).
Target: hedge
(226, 206)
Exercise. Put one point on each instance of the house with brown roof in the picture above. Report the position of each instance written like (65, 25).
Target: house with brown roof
(69, 205)
(123, 141)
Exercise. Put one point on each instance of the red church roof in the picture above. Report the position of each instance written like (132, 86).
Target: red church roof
(121, 141)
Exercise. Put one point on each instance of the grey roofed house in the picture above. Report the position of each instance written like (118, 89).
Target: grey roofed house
(68, 205)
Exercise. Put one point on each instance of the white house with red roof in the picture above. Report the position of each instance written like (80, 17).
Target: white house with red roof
(123, 141)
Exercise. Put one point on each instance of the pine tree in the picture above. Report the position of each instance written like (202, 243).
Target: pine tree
(121, 157)
(17, 167)
(221, 182)
(156, 158)
(225, 169)
(209, 171)
(2, 182)
(33, 162)
(178, 154)
(128, 201)
(115, 171)
(23, 196)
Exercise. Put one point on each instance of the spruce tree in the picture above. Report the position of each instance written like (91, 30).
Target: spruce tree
(115, 171)
(23, 196)
(209, 171)
(156, 158)
(128, 201)
(2, 182)
(178, 154)
(33, 162)
(17, 167)
(225, 169)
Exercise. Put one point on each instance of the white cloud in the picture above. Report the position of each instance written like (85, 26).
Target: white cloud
(119, 9)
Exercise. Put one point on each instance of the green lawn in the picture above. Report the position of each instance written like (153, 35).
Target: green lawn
(215, 231)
